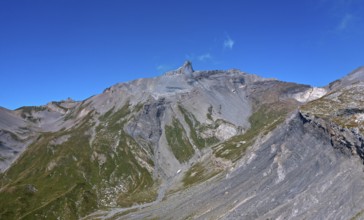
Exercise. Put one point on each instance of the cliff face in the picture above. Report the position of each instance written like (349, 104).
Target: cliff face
(188, 144)
(341, 114)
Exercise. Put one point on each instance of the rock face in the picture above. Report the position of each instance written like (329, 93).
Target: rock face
(293, 173)
(186, 70)
(20, 128)
(189, 144)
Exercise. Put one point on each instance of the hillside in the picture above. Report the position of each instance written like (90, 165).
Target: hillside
(185, 145)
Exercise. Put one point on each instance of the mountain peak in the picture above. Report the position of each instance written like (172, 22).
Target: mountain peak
(185, 69)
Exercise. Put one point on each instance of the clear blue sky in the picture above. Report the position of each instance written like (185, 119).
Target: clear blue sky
(55, 49)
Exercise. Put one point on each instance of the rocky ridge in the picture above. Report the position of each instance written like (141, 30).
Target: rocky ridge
(188, 144)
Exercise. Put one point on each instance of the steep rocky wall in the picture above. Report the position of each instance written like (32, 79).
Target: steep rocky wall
(348, 140)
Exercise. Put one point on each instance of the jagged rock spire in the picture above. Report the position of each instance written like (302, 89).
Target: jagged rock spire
(186, 69)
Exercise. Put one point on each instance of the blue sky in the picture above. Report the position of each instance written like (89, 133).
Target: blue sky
(55, 49)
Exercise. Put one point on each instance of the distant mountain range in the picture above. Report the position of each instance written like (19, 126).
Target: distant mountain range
(189, 145)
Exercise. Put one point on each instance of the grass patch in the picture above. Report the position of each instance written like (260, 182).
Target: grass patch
(178, 141)
(358, 215)
(51, 187)
(138, 197)
(138, 107)
(343, 107)
(193, 124)
(195, 128)
(73, 179)
(198, 173)
(262, 121)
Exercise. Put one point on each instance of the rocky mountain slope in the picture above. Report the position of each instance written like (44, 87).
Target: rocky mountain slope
(188, 145)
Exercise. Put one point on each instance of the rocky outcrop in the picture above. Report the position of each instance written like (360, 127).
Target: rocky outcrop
(351, 78)
(186, 70)
(348, 140)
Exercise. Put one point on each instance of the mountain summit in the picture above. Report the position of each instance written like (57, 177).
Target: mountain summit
(188, 144)
(186, 69)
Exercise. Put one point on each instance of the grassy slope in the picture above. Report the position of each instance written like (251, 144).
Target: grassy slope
(196, 128)
(72, 179)
(343, 107)
(84, 177)
(264, 119)
(178, 141)
(200, 172)
(17, 201)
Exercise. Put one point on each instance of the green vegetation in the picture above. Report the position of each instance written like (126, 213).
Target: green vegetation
(66, 204)
(199, 173)
(343, 107)
(121, 158)
(54, 189)
(138, 107)
(358, 216)
(196, 128)
(74, 178)
(193, 124)
(262, 121)
(138, 196)
(178, 141)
